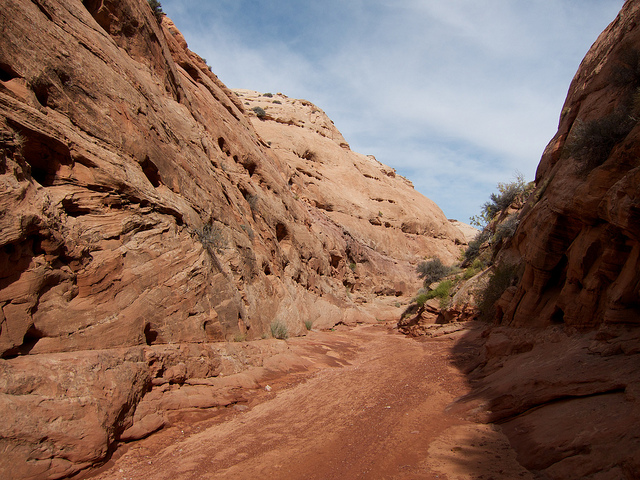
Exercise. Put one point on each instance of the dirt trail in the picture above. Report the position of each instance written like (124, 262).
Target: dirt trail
(379, 412)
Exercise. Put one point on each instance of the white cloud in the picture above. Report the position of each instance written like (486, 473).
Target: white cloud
(455, 94)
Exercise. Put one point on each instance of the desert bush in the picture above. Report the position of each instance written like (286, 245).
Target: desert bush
(478, 264)
(506, 229)
(442, 292)
(432, 270)
(259, 111)
(308, 324)
(156, 8)
(476, 267)
(473, 249)
(502, 277)
(506, 195)
(269, 95)
(421, 299)
(277, 102)
(211, 236)
(590, 143)
(470, 272)
(279, 330)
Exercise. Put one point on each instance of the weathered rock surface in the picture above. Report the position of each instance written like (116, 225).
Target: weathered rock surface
(559, 370)
(61, 412)
(141, 208)
(377, 207)
(579, 234)
(468, 231)
(568, 402)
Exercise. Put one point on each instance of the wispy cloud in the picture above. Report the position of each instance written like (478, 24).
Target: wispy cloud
(454, 94)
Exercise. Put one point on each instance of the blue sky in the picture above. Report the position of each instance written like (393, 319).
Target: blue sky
(457, 95)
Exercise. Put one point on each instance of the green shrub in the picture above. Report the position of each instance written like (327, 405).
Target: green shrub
(479, 264)
(506, 195)
(506, 229)
(421, 299)
(590, 143)
(308, 324)
(432, 270)
(269, 95)
(277, 102)
(156, 8)
(279, 330)
(259, 111)
(473, 249)
(470, 272)
(502, 277)
(442, 291)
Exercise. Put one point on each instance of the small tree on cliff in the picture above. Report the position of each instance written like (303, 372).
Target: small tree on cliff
(506, 195)
(156, 8)
(259, 111)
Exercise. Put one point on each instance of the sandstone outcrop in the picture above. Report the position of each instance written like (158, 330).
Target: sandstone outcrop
(567, 401)
(378, 209)
(559, 368)
(141, 208)
(579, 232)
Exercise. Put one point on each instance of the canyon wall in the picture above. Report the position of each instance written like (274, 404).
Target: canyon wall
(579, 231)
(558, 370)
(148, 213)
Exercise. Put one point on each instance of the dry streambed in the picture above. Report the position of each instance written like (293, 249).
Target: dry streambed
(360, 403)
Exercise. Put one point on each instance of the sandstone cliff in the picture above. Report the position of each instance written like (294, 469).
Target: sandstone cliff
(579, 234)
(145, 216)
(559, 368)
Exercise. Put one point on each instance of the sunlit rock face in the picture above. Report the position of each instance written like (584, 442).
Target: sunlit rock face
(142, 206)
(138, 196)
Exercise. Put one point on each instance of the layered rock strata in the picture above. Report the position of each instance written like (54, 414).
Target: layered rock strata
(141, 208)
(559, 369)
(579, 232)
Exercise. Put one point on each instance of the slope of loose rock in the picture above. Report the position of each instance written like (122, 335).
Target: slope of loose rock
(141, 208)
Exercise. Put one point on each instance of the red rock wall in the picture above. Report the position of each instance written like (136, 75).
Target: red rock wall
(140, 208)
(579, 237)
(118, 147)
(566, 394)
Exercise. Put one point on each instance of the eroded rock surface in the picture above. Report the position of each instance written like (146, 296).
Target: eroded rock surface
(141, 208)
(559, 368)
(579, 234)
(567, 401)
